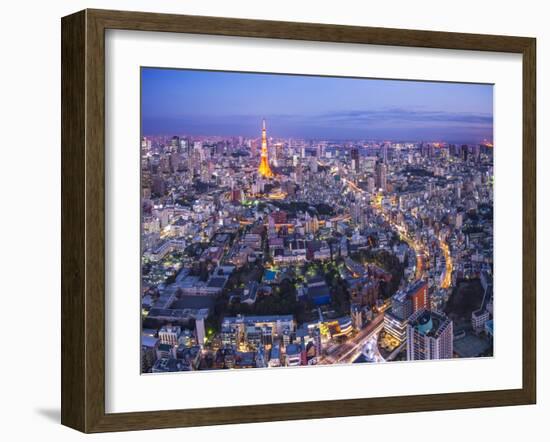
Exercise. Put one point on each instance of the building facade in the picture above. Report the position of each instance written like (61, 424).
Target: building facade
(429, 336)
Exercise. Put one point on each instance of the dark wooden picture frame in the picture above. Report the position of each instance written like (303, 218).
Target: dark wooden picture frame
(83, 220)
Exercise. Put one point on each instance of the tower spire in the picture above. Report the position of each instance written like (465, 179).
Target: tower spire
(264, 168)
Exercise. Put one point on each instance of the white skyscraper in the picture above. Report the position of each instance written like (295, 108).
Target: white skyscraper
(429, 336)
(199, 326)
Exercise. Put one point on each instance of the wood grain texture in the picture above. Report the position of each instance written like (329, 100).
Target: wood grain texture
(83, 219)
(95, 221)
(73, 292)
(529, 325)
(144, 21)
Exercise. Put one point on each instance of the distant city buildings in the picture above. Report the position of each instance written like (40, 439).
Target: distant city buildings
(275, 252)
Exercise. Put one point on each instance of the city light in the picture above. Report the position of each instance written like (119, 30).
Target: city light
(264, 251)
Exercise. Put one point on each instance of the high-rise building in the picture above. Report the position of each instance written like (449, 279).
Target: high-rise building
(454, 150)
(279, 154)
(199, 330)
(370, 184)
(465, 150)
(253, 145)
(381, 178)
(264, 169)
(184, 146)
(384, 153)
(477, 153)
(395, 326)
(406, 302)
(423, 149)
(321, 150)
(175, 143)
(355, 159)
(429, 336)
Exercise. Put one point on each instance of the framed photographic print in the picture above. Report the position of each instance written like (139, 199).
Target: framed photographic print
(266, 221)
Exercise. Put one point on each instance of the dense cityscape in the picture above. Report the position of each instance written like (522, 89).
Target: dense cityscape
(298, 220)
(268, 252)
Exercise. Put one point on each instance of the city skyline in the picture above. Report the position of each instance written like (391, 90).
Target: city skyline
(262, 251)
(216, 103)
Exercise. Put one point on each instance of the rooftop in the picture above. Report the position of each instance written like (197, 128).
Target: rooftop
(149, 341)
(263, 318)
(216, 282)
(293, 349)
(428, 323)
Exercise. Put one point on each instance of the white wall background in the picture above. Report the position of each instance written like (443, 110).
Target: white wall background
(30, 212)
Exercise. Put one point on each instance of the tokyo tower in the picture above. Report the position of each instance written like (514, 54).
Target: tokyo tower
(264, 169)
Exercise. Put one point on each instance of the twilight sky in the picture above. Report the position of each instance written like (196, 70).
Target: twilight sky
(195, 102)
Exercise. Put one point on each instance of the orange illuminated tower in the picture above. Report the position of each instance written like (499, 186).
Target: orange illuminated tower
(264, 169)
